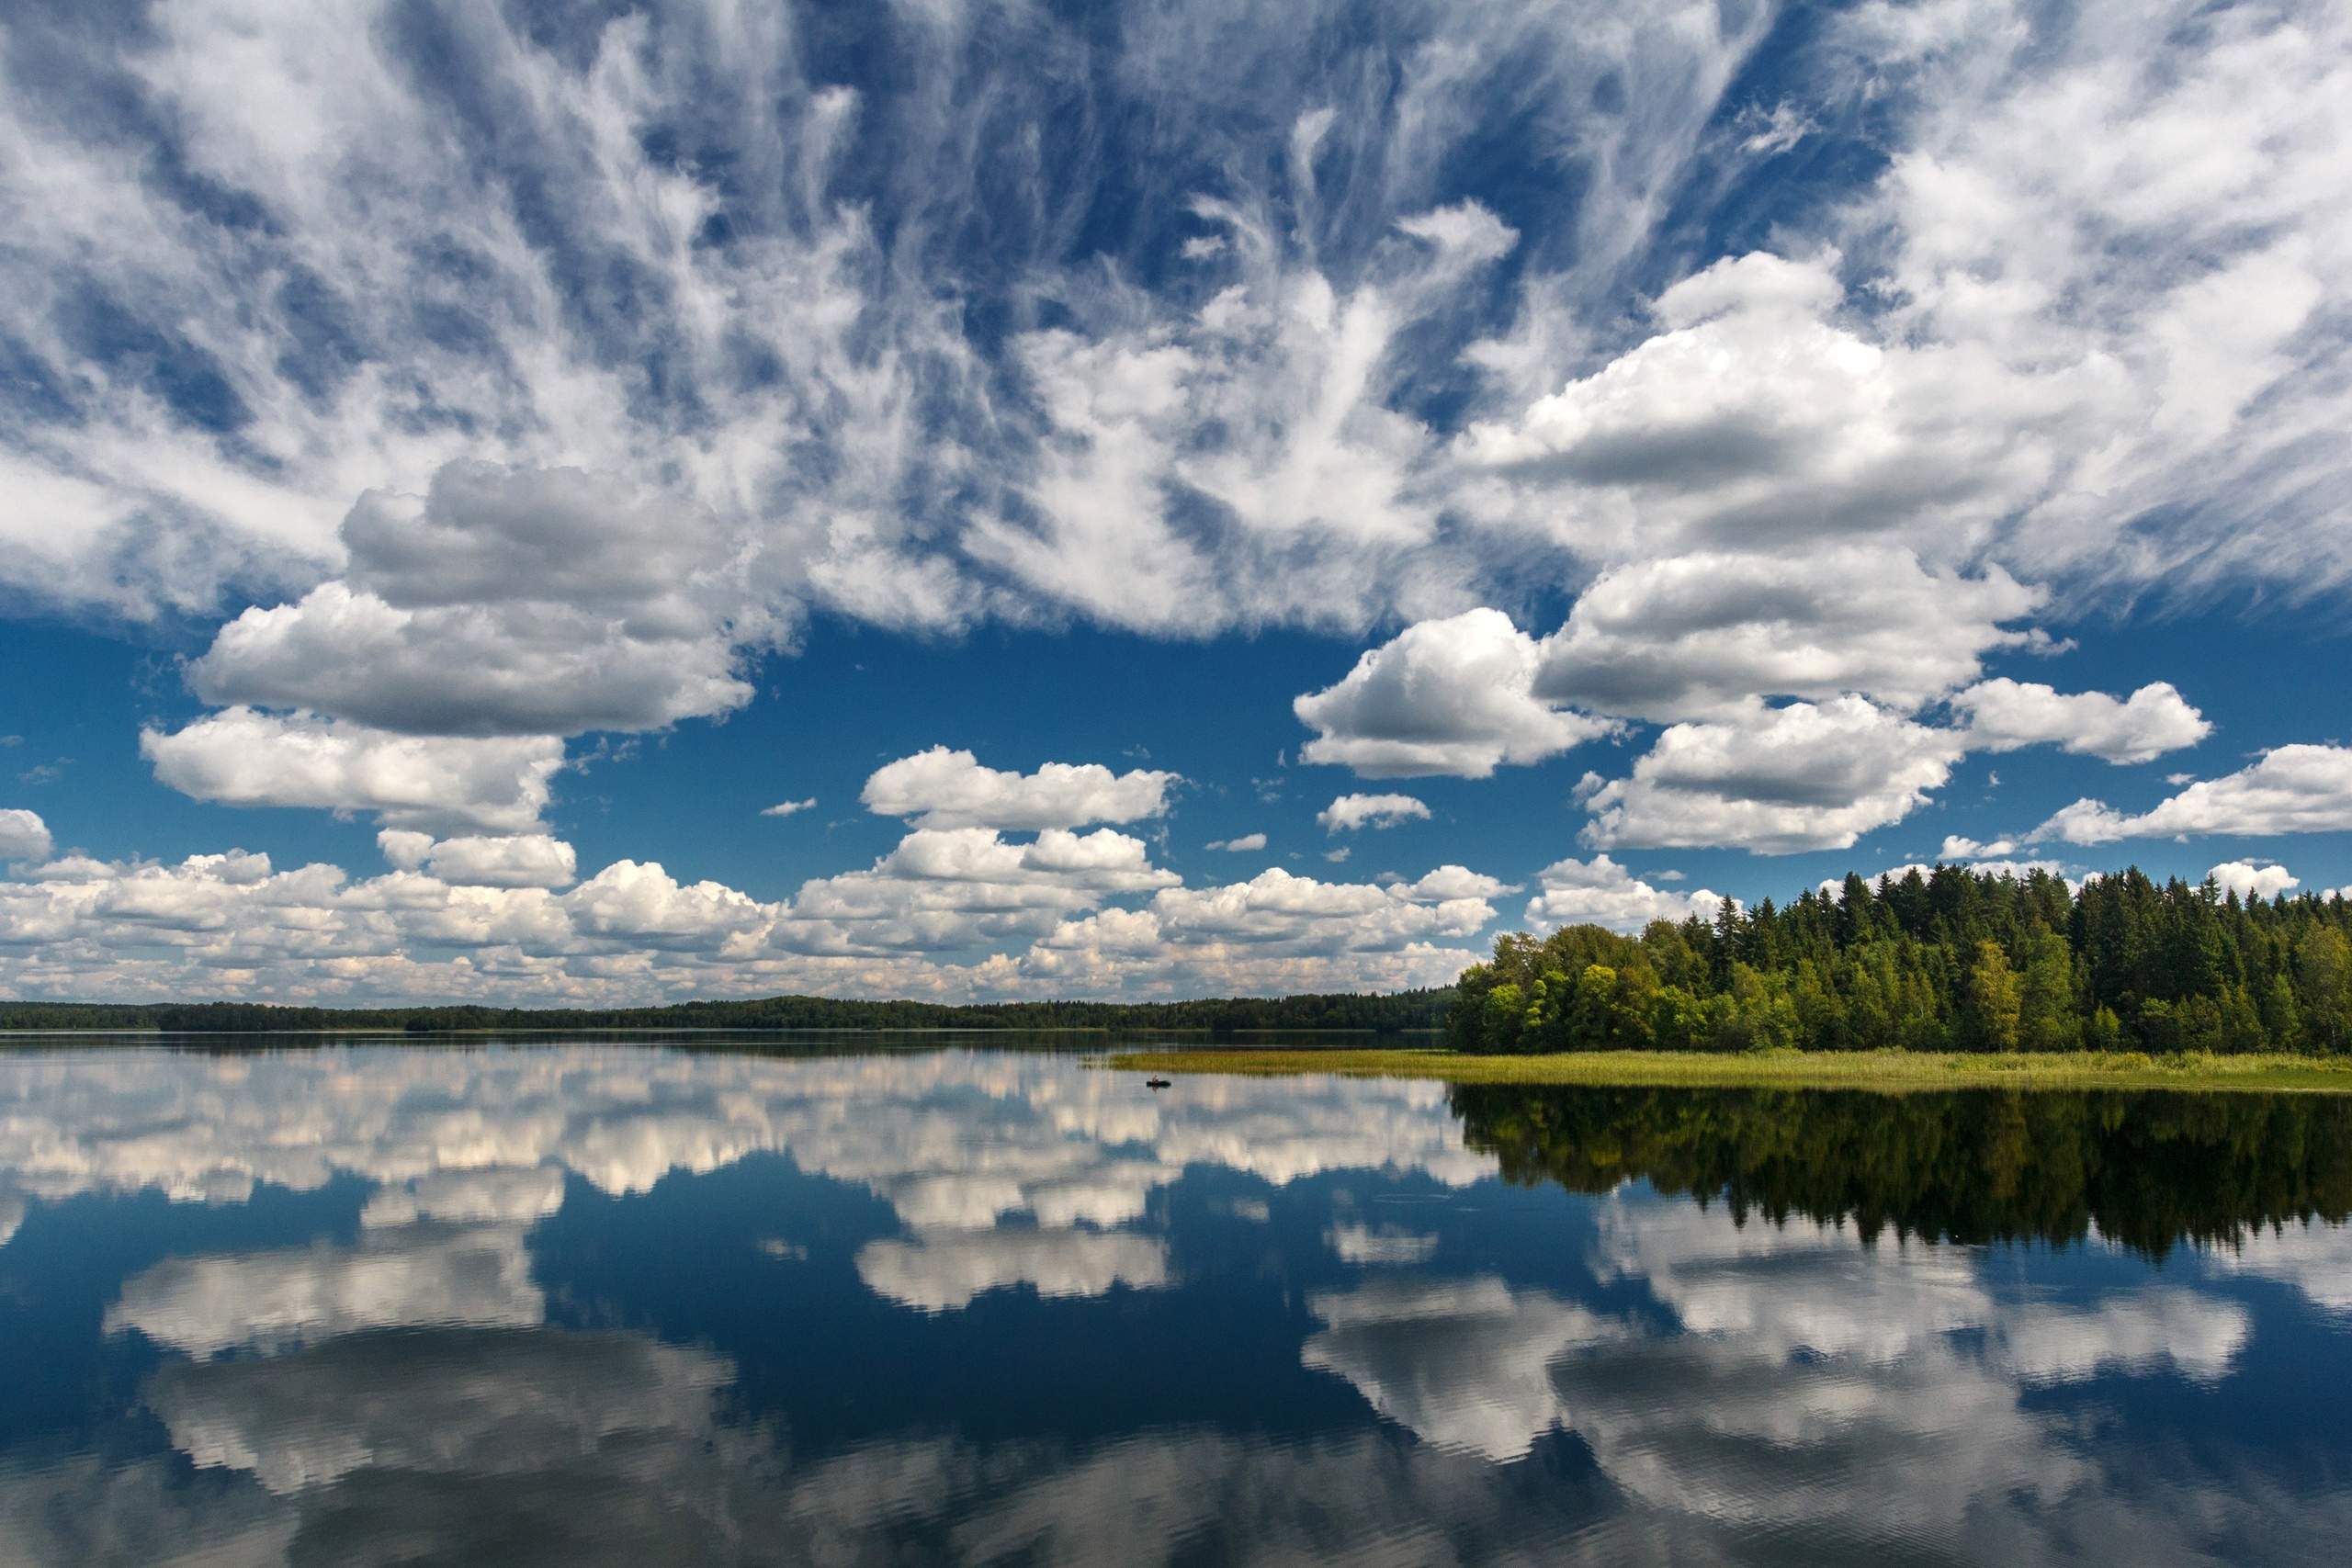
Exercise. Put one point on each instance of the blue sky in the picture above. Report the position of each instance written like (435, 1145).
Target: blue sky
(461, 466)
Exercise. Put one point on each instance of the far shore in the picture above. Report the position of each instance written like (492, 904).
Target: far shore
(1883, 1071)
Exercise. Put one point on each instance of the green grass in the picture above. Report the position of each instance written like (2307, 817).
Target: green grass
(1893, 1072)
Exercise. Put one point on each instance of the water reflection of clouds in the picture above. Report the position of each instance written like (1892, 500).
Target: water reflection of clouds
(944, 1273)
(959, 1143)
(2315, 1260)
(1869, 1396)
(1465, 1364)
(400, 1397)
(282, 1299)
(1807, 1289)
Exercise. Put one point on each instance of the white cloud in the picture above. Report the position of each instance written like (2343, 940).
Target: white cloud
(2204, 458)
(645, 905)
(1244, 843)
(1277, 932)
(1446, 696)
(2004, 714)
(1805, 776)
(239, 757)
(953, 889)
(2290, 789)
(940, 788)
(2250, 881)
(23, 835)
(514, 859)
(1957, 848)
(502, 603)
(1827, 472)
(1349, 812)
(1761, 415)
(1277, 908)
(1702, 634)
(1448, 881)
(1268, 406)
(788, 808)
(1602, 893)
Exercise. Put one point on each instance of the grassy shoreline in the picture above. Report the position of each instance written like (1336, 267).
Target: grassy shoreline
(1890, 1072)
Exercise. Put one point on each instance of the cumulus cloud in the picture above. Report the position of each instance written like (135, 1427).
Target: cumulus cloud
(242, 756)
(2249, 881)
(2290, 789)
(1276, 931)
(940, 788)
(1959, 848)
(1600, 891)
(513, 859)
(501, 603)
(646, 906)
(948, 889)
(1702, 634)
(788, 807)
(1278, 908)
(2004, 714)
(23, 835)
(1447, 696)
(1756, 415)
(1243, 844)
(1778, 779)
(949, 914)
(1349, 812)
(1450, 881)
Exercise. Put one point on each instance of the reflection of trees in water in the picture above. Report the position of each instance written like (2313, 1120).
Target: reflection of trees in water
(2147, 1170)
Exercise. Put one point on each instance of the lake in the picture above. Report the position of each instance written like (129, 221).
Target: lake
(621, 1304)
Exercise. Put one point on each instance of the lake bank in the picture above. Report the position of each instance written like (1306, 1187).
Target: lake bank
(1883, 1071)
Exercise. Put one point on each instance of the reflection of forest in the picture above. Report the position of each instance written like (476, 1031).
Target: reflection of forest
(2146, 1169)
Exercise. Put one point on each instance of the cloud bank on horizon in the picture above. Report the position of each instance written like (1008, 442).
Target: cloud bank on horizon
(1741, 418)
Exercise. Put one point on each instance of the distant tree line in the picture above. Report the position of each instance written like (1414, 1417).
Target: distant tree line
(2145, 1170)
(1952, 959)
(1225, 1017)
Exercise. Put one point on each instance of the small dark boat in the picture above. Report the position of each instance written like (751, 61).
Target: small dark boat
(1155, 1083)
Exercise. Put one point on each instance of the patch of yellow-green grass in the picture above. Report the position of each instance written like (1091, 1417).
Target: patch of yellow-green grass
(1886, 1071)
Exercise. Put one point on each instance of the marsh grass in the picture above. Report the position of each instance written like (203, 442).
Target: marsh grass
(1893, 1072)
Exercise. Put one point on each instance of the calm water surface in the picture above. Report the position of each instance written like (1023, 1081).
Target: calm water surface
(597, 1303)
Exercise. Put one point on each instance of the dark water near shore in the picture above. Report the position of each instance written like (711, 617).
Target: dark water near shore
(612, 1304)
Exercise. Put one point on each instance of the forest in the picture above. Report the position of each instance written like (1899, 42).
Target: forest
(1218, 1018)
(1950, 960)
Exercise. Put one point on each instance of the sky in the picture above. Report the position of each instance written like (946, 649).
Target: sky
(584, 503)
